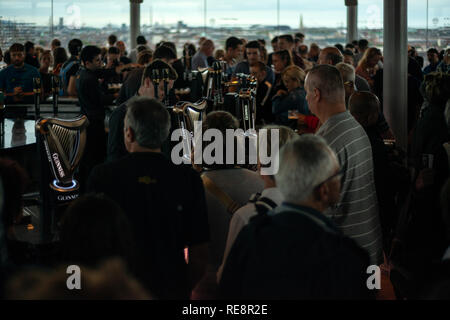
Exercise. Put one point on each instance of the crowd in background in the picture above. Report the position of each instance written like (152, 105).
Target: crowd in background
(345, 196)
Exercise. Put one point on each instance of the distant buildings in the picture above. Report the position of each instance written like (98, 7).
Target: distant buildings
(180, 33)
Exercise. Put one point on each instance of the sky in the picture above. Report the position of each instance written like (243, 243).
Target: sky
(318, 13)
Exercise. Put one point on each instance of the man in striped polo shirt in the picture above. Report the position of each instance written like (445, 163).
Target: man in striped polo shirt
(357, 212)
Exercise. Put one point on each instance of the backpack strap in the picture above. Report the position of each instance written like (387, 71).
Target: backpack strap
(264, 205)
(254, 197)
(223, 197)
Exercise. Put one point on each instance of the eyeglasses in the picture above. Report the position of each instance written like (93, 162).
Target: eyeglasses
(338, 174)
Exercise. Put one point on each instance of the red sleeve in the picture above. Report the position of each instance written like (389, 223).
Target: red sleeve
(311, 122)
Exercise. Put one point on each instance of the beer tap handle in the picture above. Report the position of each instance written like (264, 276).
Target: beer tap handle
(55, 91)
(156, 77)
(165, 76)
(37, 95)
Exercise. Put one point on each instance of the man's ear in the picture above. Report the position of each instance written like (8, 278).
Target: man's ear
(322, 193)
(147, 82)
(129, 135)
(317, 94)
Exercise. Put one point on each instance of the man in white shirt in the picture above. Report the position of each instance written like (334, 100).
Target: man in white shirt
(260, 203)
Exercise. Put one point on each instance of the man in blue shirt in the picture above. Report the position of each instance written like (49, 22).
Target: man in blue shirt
(433, 58)
(16, 81)
(445, 63)
(253, 56)
(233, 51)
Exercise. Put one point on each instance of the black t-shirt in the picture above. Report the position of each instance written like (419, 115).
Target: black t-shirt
(32, 60)
(116, 146)
(90, 94)
(166, 207)
(263, 111)
(269, 59)
(46, 82)
(278, 85)
(130, 86)
(179, 68)
(384, 185)
(124, 60)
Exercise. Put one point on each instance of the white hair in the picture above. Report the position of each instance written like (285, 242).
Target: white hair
(304, 164)
(347, 72)
(149, 120)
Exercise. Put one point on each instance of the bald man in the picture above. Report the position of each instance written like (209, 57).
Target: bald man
(365, 108)
(332, 56)
(348, 76)
(357, 212)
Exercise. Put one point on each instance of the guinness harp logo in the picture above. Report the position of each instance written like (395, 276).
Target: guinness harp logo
(58, 165)
(64, 142)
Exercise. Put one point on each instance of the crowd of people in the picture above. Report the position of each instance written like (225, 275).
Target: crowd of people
(344, 198)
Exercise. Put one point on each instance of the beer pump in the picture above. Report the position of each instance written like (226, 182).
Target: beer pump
(247, 101)
(217, 88)
(165, 79)
(156, 78)
(37, 97)
(55, 93)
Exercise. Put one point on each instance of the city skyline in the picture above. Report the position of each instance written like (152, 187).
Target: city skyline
(219, 13)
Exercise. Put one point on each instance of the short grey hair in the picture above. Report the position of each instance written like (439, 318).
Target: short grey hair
(305, 162)
(335, 57)
(285, 134)
(149, 120)
(328, 80)
(347, 72)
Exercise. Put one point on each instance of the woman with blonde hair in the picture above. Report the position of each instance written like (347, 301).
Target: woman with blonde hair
(367, 66)
(280, 61)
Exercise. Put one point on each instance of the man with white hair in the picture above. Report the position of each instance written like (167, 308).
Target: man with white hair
(348, 77)
(357, 211)
(294, 251)
(200, 59)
